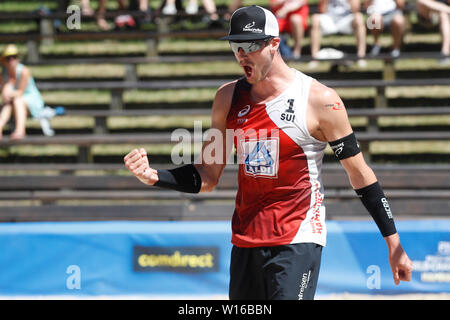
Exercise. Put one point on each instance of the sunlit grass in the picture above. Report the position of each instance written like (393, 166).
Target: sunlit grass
(418, 92)
(159, 149)
(170, 96)
(104, 47)
(190, 69)
(65, 122)
(409, 147)
(410, 121)
(159, 122)
(78, 71)
(79, 97)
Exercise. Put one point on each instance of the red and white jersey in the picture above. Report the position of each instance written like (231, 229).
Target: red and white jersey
(280, 194)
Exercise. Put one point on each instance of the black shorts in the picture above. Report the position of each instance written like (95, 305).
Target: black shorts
(287, 272)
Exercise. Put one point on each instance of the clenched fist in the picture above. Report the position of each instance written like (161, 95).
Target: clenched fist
(137, 162)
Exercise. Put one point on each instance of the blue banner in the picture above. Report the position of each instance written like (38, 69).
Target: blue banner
(97, 258)
(192, 258)
(356, 258)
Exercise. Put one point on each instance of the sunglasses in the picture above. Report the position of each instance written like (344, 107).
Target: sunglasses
(248, 47)
(8, 58)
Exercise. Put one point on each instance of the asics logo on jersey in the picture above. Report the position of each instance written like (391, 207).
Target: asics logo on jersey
(244, 111)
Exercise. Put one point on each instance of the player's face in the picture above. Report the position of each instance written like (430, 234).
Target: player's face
(254, 57)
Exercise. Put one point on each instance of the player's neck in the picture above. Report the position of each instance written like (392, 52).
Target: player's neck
(277, 80)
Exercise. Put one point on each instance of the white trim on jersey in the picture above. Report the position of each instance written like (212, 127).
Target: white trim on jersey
(288, 112)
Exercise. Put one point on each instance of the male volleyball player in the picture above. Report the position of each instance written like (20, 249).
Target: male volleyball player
(285, 120)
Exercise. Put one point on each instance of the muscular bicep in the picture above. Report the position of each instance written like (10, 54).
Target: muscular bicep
(333, 126)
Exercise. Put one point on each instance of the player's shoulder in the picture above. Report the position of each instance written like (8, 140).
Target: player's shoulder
(325, 105)
(223, 99)
(320, 94)
(226, 88)
(323, 101)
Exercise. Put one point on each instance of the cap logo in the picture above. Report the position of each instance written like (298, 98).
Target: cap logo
(249, 27)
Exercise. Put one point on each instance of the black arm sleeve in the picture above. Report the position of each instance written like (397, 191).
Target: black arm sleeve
(184, 179)
(345, 147)
(375, 202)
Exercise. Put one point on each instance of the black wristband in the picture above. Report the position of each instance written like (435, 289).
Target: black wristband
(375, 202)
(184, 179)
(345, 147)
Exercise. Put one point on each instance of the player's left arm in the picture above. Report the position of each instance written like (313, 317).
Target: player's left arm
(332, 125)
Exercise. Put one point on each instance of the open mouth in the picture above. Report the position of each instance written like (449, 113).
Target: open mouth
(248, 71)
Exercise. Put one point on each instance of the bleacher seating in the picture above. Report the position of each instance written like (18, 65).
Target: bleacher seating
(87, 187)
(414, 191)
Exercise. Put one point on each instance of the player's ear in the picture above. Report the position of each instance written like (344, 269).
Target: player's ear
(275, 43)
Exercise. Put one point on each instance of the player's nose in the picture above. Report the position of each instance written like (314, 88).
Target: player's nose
(241, 53)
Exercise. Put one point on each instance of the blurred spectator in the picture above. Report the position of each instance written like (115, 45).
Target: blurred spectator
(232, 7)
(192, 8)
(101, 21)
(386, 13)
(143, 7)
(127, 21)
(18, 92)
(338, 16)
(432, 13)
(292, 16)
(20, 96)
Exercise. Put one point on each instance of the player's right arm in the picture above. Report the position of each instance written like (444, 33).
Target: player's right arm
(201, 177)
(212, 163)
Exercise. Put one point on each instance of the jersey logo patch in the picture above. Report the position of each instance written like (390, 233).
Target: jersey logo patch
(260, 157)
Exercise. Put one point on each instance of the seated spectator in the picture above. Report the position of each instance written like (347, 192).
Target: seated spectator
(338, 16)
(434, 12)
(232, 7)
(192, 8)
(127, 21)
(101, 21)
(292, 16)
(20, 96)
(386, 13)
(143, 7)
